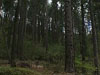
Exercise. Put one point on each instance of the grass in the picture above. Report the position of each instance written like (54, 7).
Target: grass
(17, 71)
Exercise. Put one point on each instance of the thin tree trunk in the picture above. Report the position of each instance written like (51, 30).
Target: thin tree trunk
(94, 36)
(0, 9)
(46, 28)
(54, 22)
(42, 29)
(13, 50)
(83, 38)
(0, 4)
(21, 31)
(34, 21)
(39, 29)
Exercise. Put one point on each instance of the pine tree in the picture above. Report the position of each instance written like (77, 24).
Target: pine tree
(94, 36)
(69, 51)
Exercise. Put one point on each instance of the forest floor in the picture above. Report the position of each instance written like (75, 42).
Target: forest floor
(39, 68)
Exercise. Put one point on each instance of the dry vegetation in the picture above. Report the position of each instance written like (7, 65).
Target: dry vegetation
(30, 68)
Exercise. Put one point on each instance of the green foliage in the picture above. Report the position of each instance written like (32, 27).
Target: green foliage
(56, 52)
(33, 51)
(38, 52)
(88, 66)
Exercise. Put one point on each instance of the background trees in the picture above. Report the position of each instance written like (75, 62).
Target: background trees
(52, 32)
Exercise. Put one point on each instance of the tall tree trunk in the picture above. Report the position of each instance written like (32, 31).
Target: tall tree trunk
(43, 11)
(0, 13)
(69, 51)
(83, 38)
(42, 29)
(0, 4)
(39, 29)
(21, 27)
(34, 20)
(9, 34)
(54, 22)
(94, 36)
(13, 50)
(46, 28)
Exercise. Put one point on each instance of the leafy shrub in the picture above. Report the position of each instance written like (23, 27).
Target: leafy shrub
(88, 66)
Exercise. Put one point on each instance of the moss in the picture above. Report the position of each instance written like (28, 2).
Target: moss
(17, 71)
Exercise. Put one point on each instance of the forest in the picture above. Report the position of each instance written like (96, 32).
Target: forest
(49, 37)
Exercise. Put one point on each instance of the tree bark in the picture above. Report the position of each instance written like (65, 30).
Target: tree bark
(83, 38)
(13, 50)
(34, 20)
(69, 51)
(94, 36)
(21, 27)
(54, 22)
(0, 4)
(46, 28)
(39, 28)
